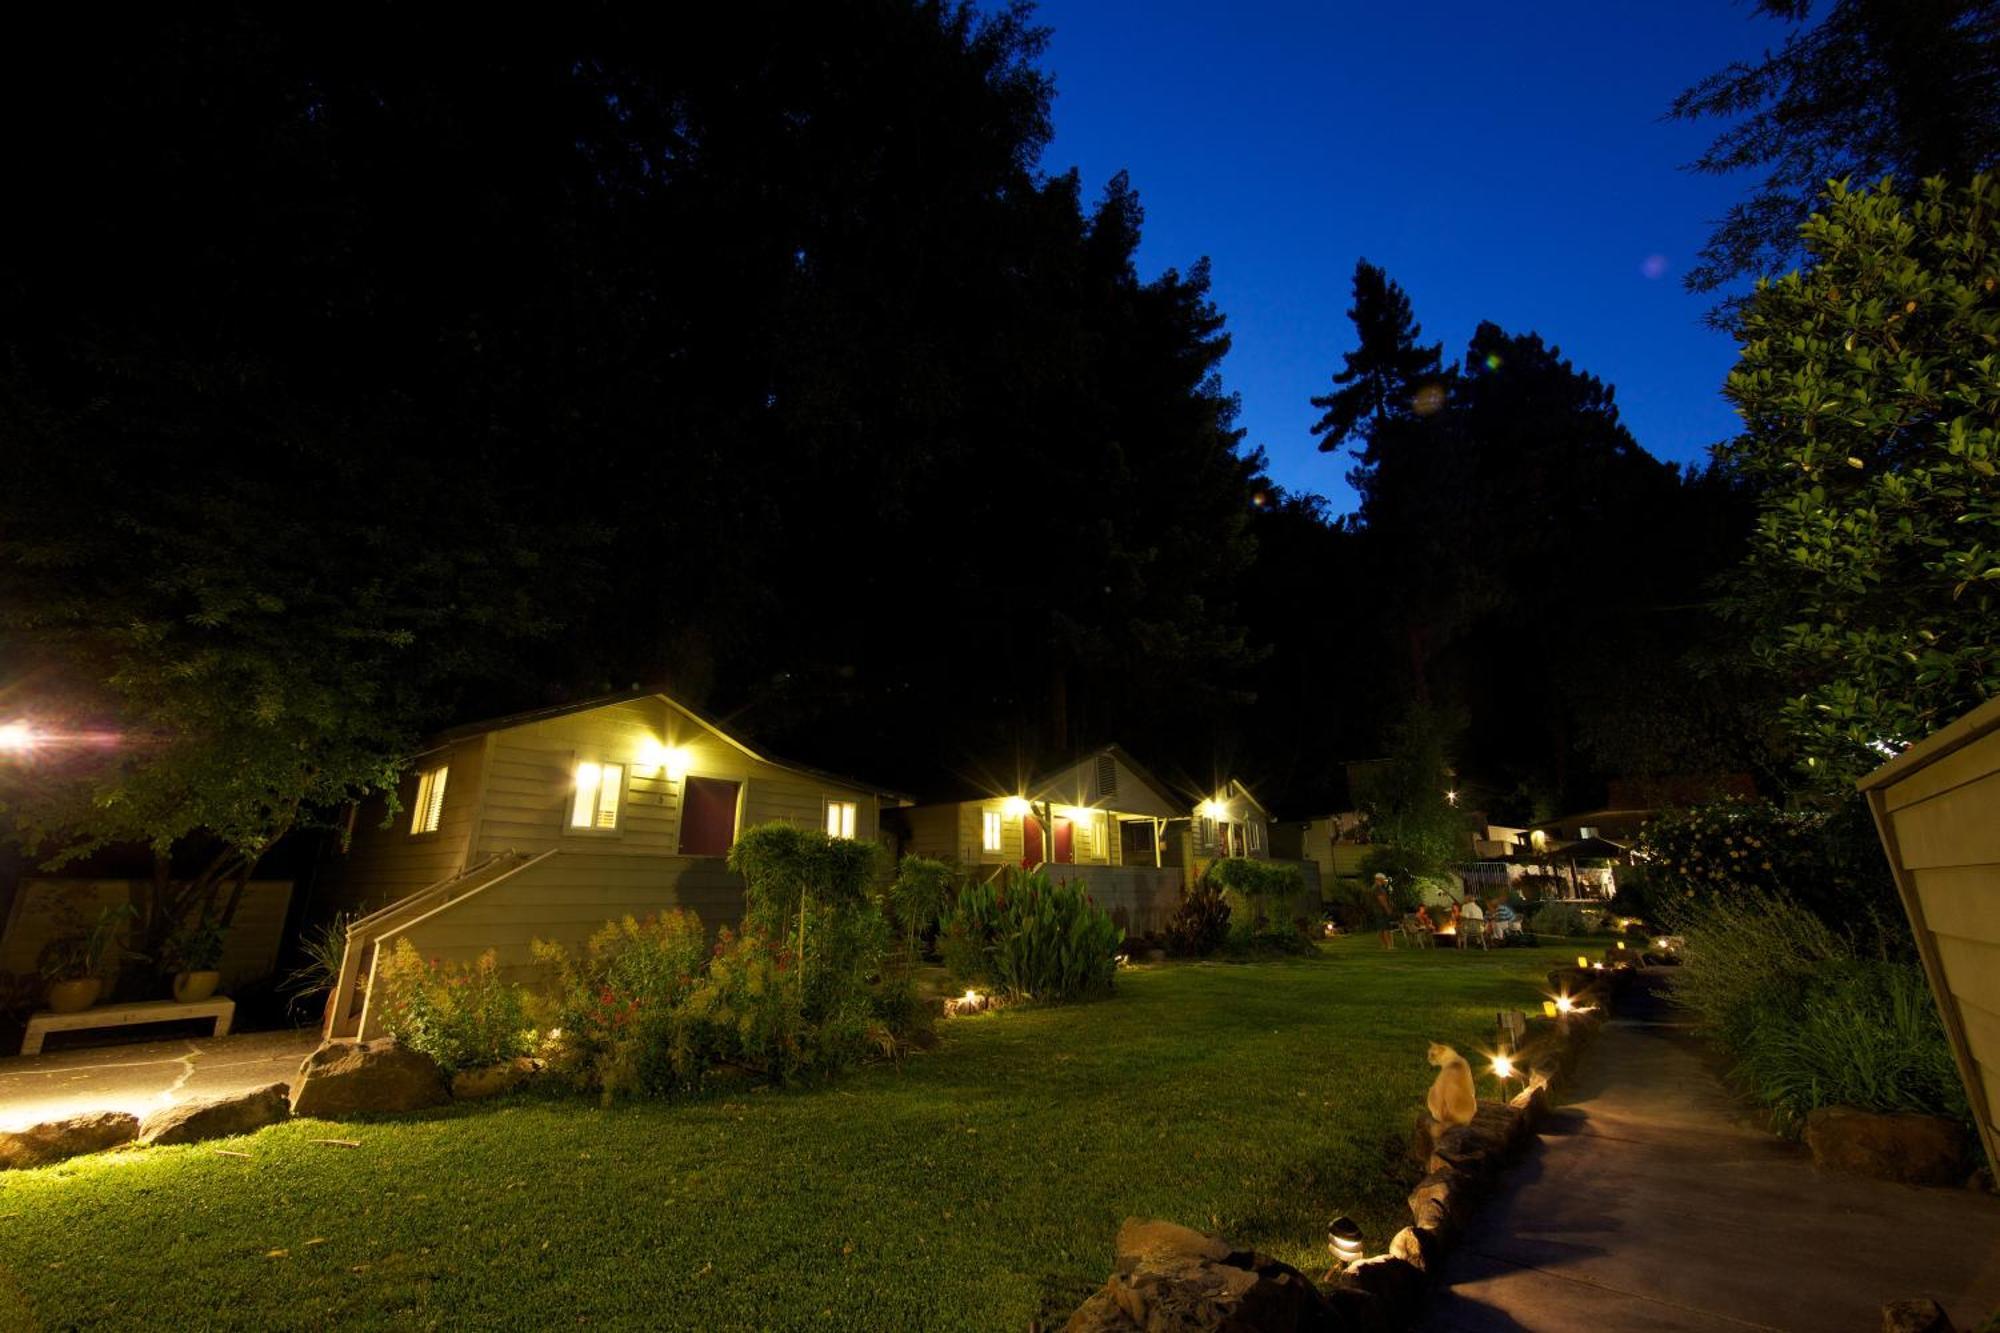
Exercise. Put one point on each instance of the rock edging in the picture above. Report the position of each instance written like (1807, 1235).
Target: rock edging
(1169, 1276)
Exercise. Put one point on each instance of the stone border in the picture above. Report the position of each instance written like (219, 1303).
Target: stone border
(1168, 1276)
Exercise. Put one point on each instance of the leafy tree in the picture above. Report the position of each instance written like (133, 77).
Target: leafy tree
(1906, 88)
(1411, 815)
(1869, 387)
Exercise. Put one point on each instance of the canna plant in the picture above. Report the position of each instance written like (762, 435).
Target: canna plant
(1029, 937)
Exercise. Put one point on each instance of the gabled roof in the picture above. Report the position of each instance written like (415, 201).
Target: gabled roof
(1118, 752)
(1237, 786)
(507, 723)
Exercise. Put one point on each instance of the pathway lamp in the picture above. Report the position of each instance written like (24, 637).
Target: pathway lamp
(1343, 1241)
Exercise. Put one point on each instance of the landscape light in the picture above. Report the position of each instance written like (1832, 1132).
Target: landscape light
(1564, 1004)
(1343, 1240)
(1549, 1009)
(1621, 944)
(1503, 1066)
(17, 737)
(1581, 961)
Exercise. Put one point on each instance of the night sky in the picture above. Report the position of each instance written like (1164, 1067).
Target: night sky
(1503, 162)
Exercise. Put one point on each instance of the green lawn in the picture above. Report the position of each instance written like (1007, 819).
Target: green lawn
(978, 1187)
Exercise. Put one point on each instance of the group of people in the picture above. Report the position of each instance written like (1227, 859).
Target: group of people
(1465, 916)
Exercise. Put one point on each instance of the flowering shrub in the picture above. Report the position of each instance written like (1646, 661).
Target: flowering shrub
(610, 1011)
(1826, 861)
(461, 1016)
(653, 1008)
(1024, 936)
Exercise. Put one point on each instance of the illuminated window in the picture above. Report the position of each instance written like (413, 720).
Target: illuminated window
(1205, 834)
(840, 819)
(598, 787)
(430, 800)
(1256, 836)
(989, 831)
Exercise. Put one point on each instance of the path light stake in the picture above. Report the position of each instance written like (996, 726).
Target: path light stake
(1581, 961)
(1343, 1241)
(1503, 1069)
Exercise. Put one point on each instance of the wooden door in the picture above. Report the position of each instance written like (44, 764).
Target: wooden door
(708, 816)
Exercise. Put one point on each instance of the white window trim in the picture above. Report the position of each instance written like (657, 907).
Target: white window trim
(852, 812)
(593, 830)
(427, 810)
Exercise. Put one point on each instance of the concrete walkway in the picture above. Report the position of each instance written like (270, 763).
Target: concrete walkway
(1651, 1204)
(142, 1076)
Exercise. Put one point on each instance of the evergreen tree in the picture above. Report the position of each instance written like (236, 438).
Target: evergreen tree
(1385, 372)
(1903, 88)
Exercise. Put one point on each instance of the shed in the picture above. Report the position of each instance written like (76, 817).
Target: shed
(1937, 808)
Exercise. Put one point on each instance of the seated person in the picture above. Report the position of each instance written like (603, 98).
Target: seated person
(1423, 916)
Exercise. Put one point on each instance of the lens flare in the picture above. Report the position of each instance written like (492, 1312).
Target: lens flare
(1654, 266)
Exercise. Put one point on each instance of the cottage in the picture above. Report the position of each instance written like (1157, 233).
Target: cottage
(544, 825)
(1103, 820)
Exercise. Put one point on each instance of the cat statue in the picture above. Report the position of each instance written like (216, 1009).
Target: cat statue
(1452, 1100)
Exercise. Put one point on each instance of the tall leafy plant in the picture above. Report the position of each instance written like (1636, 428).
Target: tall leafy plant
(1034, 938)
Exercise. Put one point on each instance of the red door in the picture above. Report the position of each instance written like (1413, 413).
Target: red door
(1031, 841)
(708, 816)
(1065, 842)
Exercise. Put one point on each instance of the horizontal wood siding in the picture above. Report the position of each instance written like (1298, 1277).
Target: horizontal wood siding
(568, 897)
(384, 860)
(249, 948)
(1941, 818)
(534, 772)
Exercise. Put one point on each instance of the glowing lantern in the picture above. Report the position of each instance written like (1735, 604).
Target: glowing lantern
(1343, 1240)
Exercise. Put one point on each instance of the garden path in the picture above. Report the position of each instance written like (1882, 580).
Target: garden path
(1653, 1203)
(142, 1076)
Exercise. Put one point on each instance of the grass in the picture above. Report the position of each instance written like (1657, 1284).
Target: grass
(978, 1187)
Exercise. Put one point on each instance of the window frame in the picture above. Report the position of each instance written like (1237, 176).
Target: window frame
(432, 785)
(595, 830)
(992, 830)
(852, 811)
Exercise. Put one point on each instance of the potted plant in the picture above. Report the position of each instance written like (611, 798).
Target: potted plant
(72, 963)
(193, 952)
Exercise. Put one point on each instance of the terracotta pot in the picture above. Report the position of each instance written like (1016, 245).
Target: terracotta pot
(69, 997)
(192, 986)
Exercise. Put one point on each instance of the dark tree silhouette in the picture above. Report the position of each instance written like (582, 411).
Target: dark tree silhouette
(1388, 368)
(1902, 88)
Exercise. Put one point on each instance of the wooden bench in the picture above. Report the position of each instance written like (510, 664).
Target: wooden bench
(222, 1009)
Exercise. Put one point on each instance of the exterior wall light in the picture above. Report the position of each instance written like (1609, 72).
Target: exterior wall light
(1014, 807)
(17, 738)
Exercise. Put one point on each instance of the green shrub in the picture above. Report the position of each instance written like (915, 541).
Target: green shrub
(1027, 937)
(1557, 919)
(918, 895)
(1350, 903)
(461, 1016)
(1201, 923)
(1824, 860)
(1262, 887)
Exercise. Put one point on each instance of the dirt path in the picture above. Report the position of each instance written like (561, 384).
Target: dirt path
(1651, 1205)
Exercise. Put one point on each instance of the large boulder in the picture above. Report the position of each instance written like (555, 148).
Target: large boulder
(217, 1117)
(1173, 1279)
(1915, 1149)
(54, 1140)
(344, 1078)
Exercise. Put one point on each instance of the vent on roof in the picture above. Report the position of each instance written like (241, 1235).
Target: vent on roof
(1104, 778)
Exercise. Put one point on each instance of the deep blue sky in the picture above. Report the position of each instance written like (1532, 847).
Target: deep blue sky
(1502, 161)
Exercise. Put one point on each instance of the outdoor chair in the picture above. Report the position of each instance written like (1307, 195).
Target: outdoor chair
(1412, 930)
